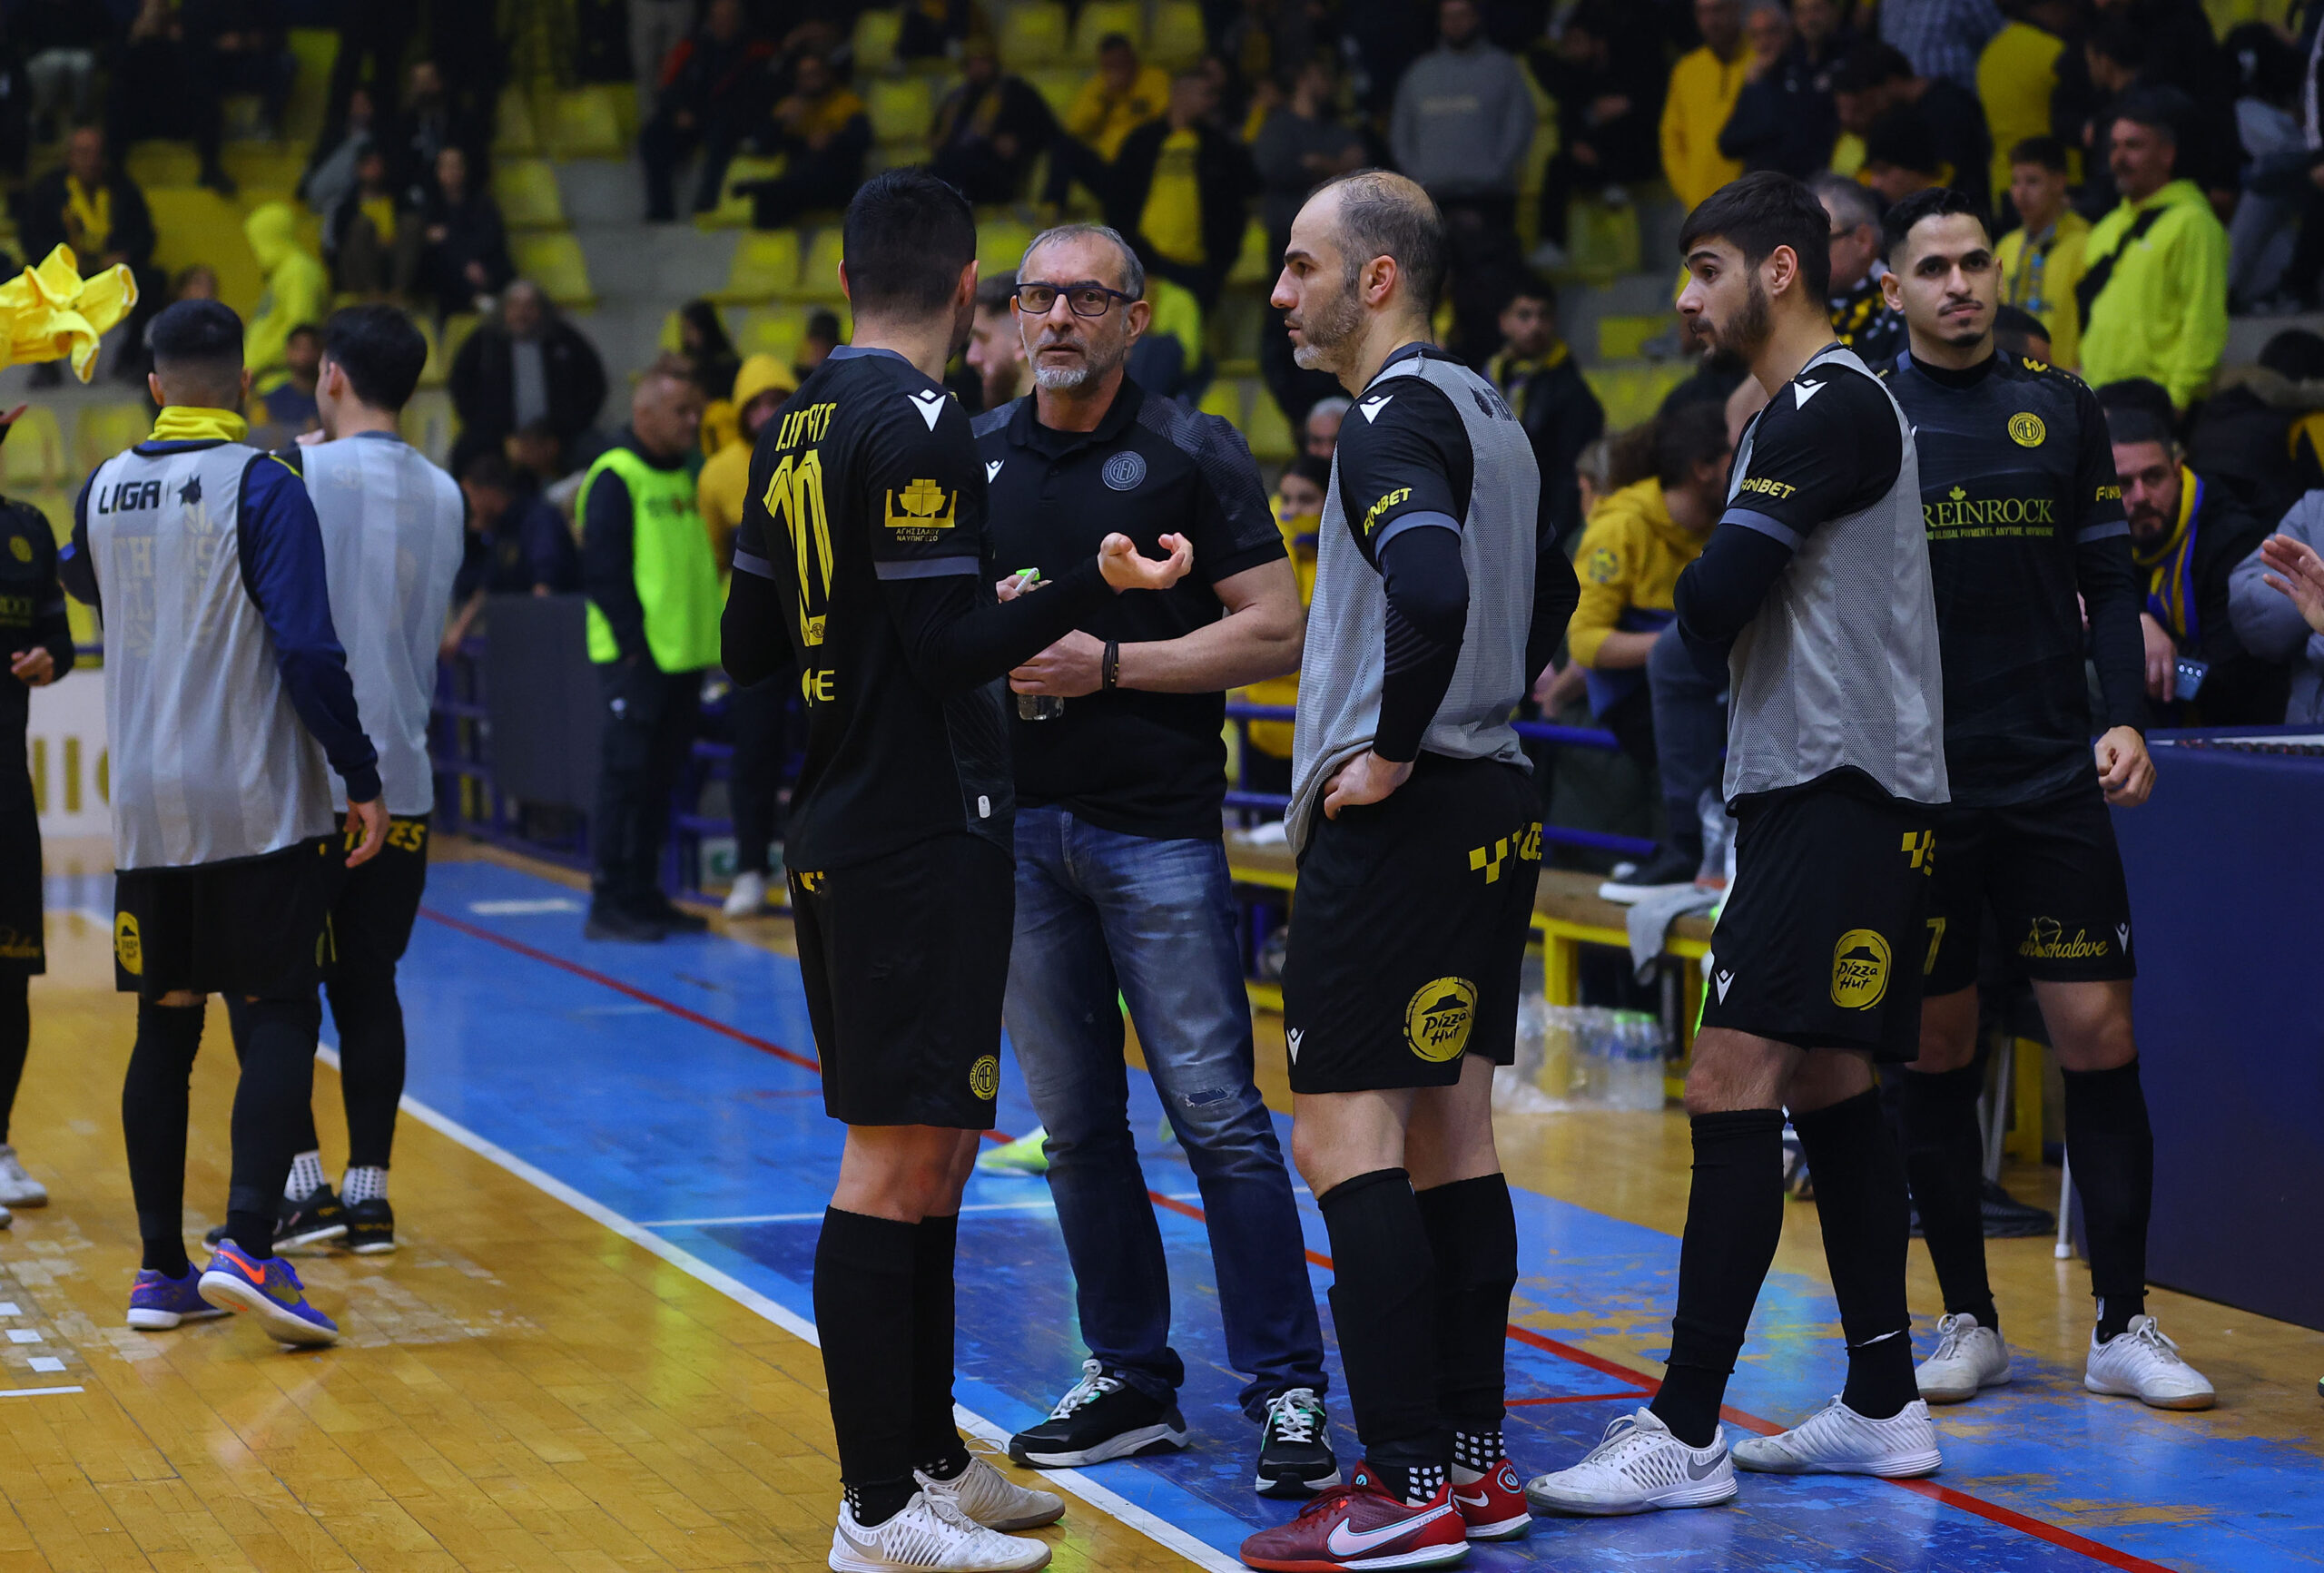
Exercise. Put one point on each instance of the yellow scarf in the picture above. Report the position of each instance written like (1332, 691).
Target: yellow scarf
(93, 210)
(192, 423)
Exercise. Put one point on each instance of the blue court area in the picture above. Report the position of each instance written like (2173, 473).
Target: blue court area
(674, 1085)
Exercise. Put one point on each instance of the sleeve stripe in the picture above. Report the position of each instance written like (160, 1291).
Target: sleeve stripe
(1402, 522)
(2106, 532)
(1774, 529)
(928, 567)
(758, 567)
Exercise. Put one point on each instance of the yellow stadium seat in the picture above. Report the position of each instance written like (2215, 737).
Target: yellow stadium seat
(1032, 35)
(1619, 338)
(1602, 241)
(527, 190)
(553, 260)
(585, 122)
(875, 37)
(317, 49)
(1001, 246)
(1178, 38)
(773, 330)
(34, 453)
(1057, 85)
(438, 366)
(1223, 399)
(514, 131)
(1268, 431)
(265, 170)
(1100, 17)
(102, 430)
(162, 164)
(428, 423)
(734, 212)
(1252, 263)
(765, 266)
(901, 108)
(819, 271)
(1631, 394)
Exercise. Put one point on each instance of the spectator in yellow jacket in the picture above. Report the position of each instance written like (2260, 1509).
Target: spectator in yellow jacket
(2017, 74)
(298, 291)
(1299, 514)
(1704, 86)
(1123, 95)
(2153, 293)
(724, 484)
(2041, 259)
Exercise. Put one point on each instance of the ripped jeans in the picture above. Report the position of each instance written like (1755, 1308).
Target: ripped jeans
(1099, 914)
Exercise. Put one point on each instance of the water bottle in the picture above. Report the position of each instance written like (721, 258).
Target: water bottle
(1036, 706)
(1719, 837)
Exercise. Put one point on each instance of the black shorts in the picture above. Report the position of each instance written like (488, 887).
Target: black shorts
(251, 927)
(2053, 876)
(1408, 930)
(906, 960)
(371, 923)
(1819, 942)
(23, 951)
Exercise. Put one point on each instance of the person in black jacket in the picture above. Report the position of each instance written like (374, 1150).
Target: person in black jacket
(1782, 119)
(1607, 75)
(464, 251)
(529, 365)
(714, 91)
(98, 211)
(1875, 78)
(989, 129)
(1536, 374)
(1178, 190)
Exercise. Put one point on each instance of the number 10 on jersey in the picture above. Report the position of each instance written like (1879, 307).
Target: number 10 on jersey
(795, 500)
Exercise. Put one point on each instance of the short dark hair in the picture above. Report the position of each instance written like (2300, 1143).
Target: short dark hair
(1308, 466)
(1869, 65)
(1384, 214)
(1759, 211)
(1694, 433)
(1933, 202)
(822, 322)
(489, 470)
(2138, 409)
(198, 333)
(2117, 38)
(1115, 41)
(304, 330)
(2046, 150)
(906, 237)
(1902, 139)
(993, 292)
(2016, 329)
(2158, 108)
(2295, 353)
(1530, 287)
(382, 350)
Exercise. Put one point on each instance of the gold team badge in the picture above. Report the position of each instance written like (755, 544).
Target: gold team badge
(922, 509)
(1437, 1021)
(20, 548)
(1859, 969)
(127, 949)
(2026, 430)
(1604, 566)
(984, 1079)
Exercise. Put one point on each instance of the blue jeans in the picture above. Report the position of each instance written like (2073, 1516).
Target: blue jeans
(1098, 912)
(1689, 725)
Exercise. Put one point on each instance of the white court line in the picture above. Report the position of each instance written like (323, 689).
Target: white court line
(814, 1217)
(1155, 1528)
(37, 1391)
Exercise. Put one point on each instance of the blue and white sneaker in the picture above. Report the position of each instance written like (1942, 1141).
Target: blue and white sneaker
(158, 1302)
(268, 1290)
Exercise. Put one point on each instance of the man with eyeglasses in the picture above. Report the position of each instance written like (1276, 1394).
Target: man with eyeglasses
(1122, 887)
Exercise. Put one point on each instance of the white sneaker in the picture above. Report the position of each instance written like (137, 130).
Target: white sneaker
(986, 1496)
(18, 1189)
(1836, 1440)
(1969, 1358)
(929, 1534)
(2145, 1365)
(1640, 1467)
(747, 896)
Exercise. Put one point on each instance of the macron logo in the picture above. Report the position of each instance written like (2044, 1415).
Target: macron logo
(2123, 932)
(1373, 406)
(992, 465)
(930, 404)
(1291, 1040)
(1801, 393)
(1724, 979)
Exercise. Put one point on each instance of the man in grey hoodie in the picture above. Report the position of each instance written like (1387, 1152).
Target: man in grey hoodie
(2275, 597)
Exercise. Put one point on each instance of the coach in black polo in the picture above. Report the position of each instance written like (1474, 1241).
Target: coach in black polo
(1121, 879)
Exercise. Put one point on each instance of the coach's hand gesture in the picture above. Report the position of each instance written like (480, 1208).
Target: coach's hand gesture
(2125, 768)
(1366, 779)
(1125, 569)
(373, 819)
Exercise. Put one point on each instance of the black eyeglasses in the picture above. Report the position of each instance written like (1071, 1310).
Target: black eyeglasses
(1086, 299)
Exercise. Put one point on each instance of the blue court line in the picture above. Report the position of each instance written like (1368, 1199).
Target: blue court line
(659, 1115)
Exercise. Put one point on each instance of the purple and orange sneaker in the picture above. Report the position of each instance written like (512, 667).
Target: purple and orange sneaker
(158, 1302)
(268, 1290)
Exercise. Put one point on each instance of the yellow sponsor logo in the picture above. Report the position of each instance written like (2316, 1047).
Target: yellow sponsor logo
(127, 948)
(984, 1079)
(15, 946)
(2046, 941)
(1760, 484)
(1604, 566)
(2108, 495)
(1859, 969)
(807, 425)
(1437, 1021)
(2026, 430)
(1920, 847)
(810, 883)
(20, 548)
(820, 687)
(921, 510)
(2032, 365)
(1372, 515)
(1487, 860)
(1959, 512)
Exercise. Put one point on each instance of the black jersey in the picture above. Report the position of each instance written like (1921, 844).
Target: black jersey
(31, 614)
(869, 474)
(2024, 511)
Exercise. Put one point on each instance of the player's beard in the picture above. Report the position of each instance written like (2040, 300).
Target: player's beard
(1753, 320)
(1328, 327)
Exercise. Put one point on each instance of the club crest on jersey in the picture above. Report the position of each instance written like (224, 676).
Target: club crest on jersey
(929, 404)
(921, 510)
(1859, 969)
(2026, 430)
(1124, 470)
(128, 948)
(20, 548)
(984, 1077)
(1437, 1021)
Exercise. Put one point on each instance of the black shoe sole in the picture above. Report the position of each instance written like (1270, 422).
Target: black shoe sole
(1158, 1438)
(1289, 1486)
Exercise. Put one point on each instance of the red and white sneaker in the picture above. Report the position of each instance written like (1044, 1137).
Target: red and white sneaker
(1359, 1527)
(1492, 1506)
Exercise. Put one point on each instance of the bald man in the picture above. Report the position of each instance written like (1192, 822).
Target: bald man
(654, 602)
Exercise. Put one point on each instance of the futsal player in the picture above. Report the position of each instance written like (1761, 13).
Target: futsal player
(1419, 840)
(860, 560)
(2024, 517)
(38, 643)
(1816, 583)
(228, 708)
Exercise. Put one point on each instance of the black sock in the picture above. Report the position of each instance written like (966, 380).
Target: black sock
(1412, 1484)
(154, 1099)
(1477, 1451)
(273, 1115)
(2110, 1147)
(369, 1017)
(16, 1039)
(1860, 1197)
(1383, 1305)
(1472, 1235)
(1944, 1160)
(863, 1314)
(1734, 1219)
(936, 1446)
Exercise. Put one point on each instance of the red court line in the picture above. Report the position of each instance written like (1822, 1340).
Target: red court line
(1993, 1512)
